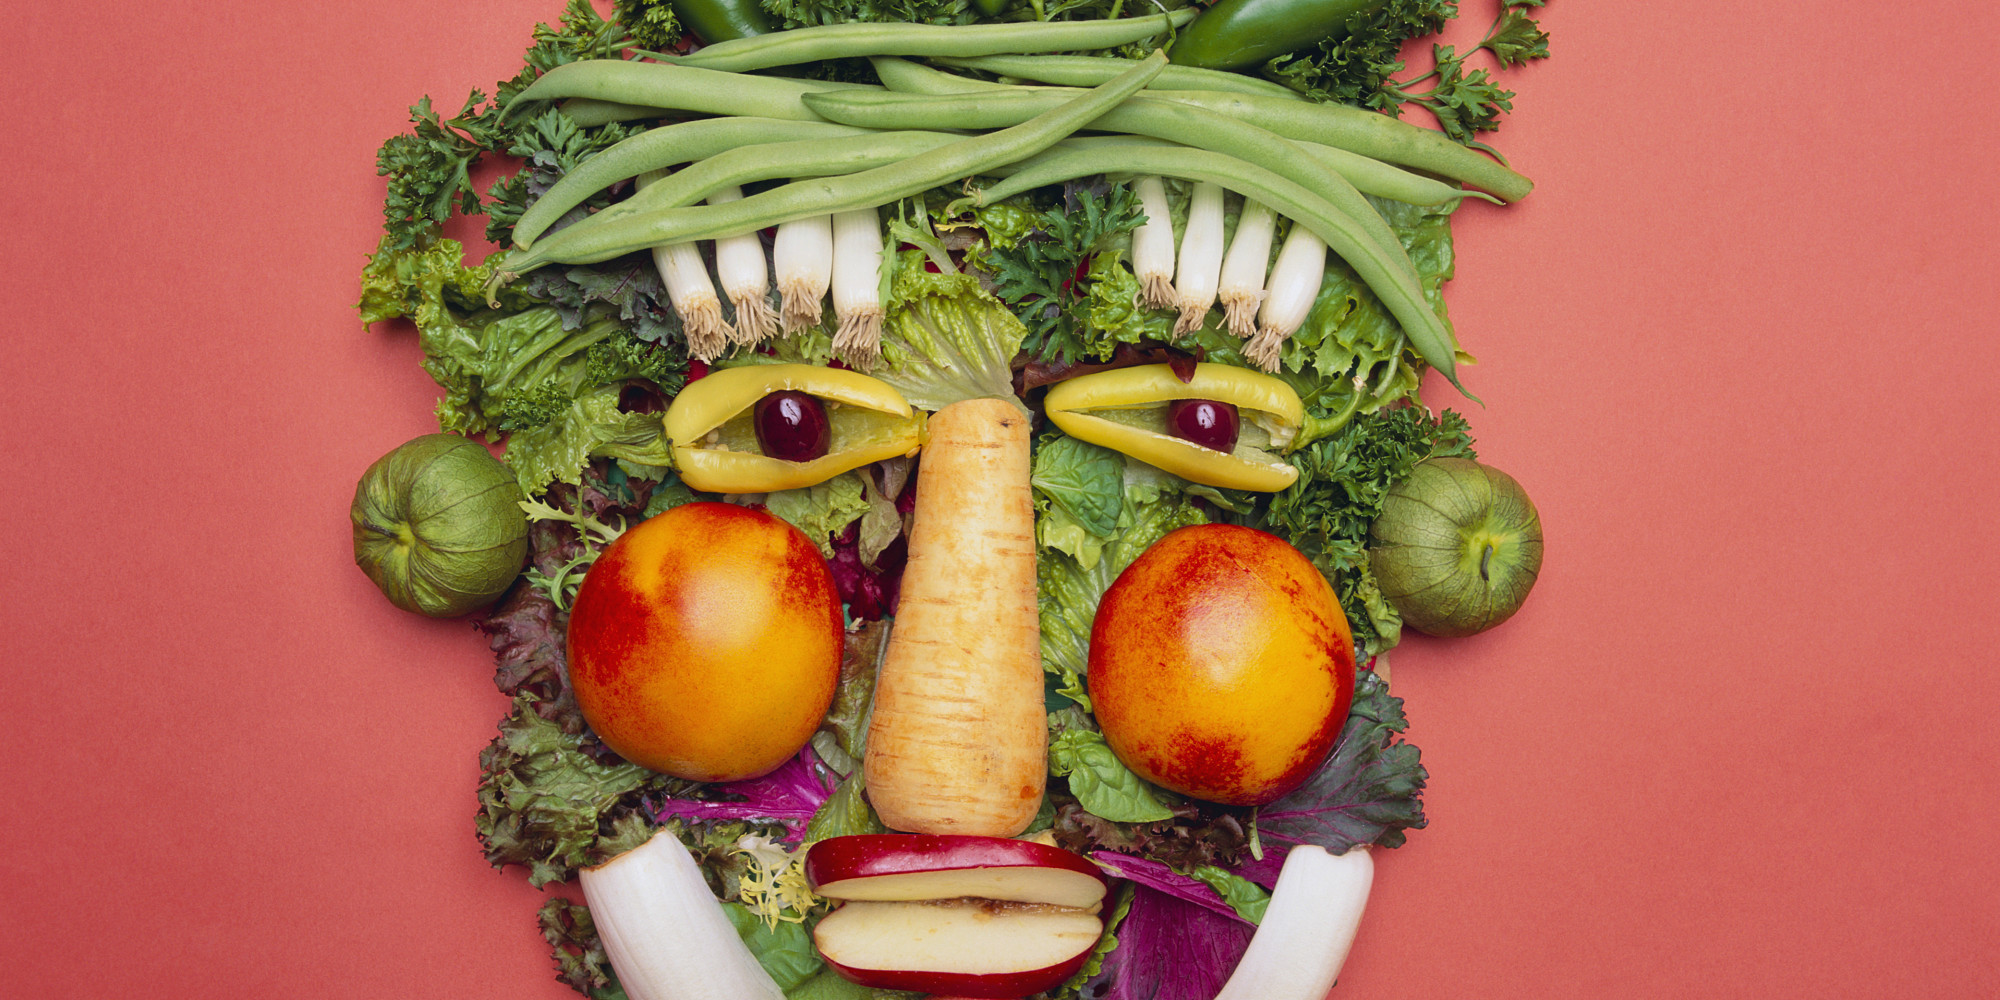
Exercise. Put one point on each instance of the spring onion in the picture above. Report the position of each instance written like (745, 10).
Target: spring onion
(691, 292)
(1241, 287)
(1200, 262)
(857, 287)
(1153, 245)
(803, 257)
(1288, 299)
(744, 273)
(1308, 927)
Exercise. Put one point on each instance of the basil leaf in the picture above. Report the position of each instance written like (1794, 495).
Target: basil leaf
(1102, 783)
(785, 951)
(1247, 898)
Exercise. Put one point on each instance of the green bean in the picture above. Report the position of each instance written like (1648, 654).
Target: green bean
(749, 164)
(865, 189)
(1405, 301)
(683, 88)
(1144, 115)
(1367, 133)
(658, 148)
(590, 113)
(1371, 177)
(887, 38)
(905, 77)
(1089, 71)
(1386, 180)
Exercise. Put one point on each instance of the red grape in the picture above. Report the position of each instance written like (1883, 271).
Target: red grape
(1205, 422)
(792, 426)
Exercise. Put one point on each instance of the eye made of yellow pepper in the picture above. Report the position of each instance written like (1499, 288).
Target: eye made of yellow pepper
(759, 428)
(1144, 412)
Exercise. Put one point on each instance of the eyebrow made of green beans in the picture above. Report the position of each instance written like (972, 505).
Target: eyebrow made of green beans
(1089, 71)
(1154, 116)
(890, 38)
(1369, 175)
(682, 88)
(747, 165)
(983, 104)
(1407, 304)
(656, 149)
(864, 189)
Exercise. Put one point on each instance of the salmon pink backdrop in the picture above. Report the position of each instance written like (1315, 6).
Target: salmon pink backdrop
(1737, 345)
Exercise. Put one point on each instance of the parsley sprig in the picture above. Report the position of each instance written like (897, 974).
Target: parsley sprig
(1042, 275)
(429, 169)
(1362, 67)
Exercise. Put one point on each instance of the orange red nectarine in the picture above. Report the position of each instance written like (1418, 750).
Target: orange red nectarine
(1221, 665)
(705, 642)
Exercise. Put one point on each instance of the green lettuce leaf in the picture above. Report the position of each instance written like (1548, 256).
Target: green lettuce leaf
(1080, 496)
(1083, 479)
(522, 369)
(592, 425)
(944, 339)
(846, 812)
(822, 510)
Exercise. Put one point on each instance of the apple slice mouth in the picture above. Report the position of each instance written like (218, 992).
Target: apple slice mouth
(1053, 886)
(900, 867)
(966, 947)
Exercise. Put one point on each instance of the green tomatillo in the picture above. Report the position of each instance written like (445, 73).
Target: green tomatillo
(1456, 547)
(438, 526)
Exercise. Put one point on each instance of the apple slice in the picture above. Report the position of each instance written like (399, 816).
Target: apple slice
(962, 947)
(896, 866)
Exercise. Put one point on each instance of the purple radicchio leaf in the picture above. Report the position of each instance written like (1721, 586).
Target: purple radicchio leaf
(1157, 876)
(1263, 871)
(789, 796)
(1169, 949)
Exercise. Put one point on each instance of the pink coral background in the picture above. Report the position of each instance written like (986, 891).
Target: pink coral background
(1741, 741)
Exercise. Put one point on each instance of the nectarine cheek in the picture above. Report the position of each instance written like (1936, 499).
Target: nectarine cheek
(1220, 665)
(702, 644)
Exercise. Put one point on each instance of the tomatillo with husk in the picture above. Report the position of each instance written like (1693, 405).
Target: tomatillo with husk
(438, 526)
(1457, 547)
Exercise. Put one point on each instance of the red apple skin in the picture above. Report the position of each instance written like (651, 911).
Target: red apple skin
(1221, 665)
(705, 642)
(992, 986)
(864, 855)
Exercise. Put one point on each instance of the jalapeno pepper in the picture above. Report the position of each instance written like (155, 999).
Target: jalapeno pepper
(713, 429)
(1235, 34)
(1126, 410)
(721, 20)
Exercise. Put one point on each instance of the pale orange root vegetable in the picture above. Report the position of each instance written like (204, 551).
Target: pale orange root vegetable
(959, 738)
